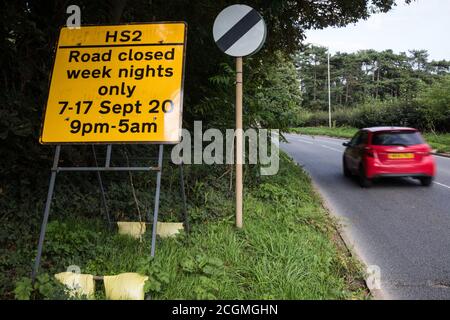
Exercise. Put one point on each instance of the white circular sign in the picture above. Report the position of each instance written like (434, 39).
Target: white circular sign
(239, 30)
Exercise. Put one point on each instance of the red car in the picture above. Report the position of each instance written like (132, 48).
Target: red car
(388, 152)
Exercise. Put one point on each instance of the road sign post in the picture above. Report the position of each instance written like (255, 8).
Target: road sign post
(239, 141)
(239, 31)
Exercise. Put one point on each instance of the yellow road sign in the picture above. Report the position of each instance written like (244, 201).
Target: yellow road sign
(121, 83)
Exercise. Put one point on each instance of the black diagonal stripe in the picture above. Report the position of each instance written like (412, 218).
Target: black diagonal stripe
(238, 30)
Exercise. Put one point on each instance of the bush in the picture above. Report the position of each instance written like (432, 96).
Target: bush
(429, 111)
(394, 112)
(434, 102)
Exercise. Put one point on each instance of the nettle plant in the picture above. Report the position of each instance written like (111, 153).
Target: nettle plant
(45, 287)
(205, 267)
(157, 278)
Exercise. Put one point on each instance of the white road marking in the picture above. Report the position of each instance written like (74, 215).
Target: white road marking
(330, 141)
(330, 148)
(442, 185)
(333, 143)
(305, 141)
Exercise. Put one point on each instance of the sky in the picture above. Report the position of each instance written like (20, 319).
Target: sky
(424, 24)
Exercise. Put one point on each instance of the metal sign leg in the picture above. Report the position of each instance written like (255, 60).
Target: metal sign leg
(156, 208)
(46, 213)
(102, 189)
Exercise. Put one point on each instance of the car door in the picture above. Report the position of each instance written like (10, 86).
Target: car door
(360, 149)
(355, 147)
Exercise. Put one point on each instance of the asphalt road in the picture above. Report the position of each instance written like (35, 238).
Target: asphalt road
(397, 225)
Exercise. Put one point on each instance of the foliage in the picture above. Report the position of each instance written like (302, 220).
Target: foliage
(157, 277)
(207, 268)
(429, 111)
(370, 88)
(271, 97)
(285, 251)
(434, 103)
(23, 290)
(45, 287)
(395, 112)
(364, 76)
(202, 264)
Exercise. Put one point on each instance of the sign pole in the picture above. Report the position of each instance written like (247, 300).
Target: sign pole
(239, 144)
(239, 31)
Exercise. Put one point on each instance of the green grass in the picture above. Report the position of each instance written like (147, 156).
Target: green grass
(339, 132)
(440, 142)
(288, 248)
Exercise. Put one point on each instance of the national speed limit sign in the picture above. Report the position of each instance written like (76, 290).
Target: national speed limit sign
(239, 30)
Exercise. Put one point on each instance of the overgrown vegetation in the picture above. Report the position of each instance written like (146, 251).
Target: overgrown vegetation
(430, 111)
(287, 250)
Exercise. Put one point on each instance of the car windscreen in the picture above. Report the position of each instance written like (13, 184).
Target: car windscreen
(402, 138)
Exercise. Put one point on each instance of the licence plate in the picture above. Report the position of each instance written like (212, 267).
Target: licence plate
(401, 155)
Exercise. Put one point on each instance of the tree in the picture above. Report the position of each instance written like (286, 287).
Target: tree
(364, 75)
(434, 101)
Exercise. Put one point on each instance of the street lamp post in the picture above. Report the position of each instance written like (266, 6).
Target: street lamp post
(329, 91)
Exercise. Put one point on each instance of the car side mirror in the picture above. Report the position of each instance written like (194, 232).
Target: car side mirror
(345, 144)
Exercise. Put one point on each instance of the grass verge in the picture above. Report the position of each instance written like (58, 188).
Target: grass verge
(286, 250)
(440, 142)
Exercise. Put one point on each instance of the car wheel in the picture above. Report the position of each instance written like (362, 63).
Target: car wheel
(426, 181)
(345, 169)
(364, 182)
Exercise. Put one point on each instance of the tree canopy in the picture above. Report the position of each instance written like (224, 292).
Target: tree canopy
(365, 75)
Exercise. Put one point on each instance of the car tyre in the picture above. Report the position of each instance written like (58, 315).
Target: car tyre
(364, 182)
(346, 170)
(426, 181)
